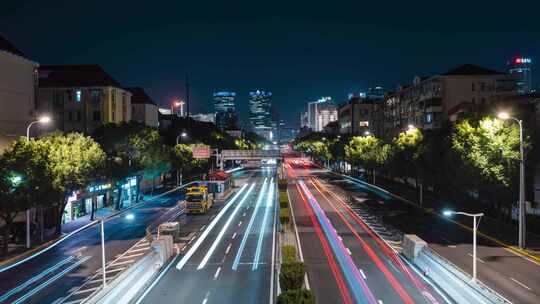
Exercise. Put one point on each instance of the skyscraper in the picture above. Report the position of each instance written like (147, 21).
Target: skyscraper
(320, 113)
(520, 67)
(260, 113)
(226, 117)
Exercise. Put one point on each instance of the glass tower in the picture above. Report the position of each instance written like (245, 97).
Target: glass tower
(225, 110)
(260, 113)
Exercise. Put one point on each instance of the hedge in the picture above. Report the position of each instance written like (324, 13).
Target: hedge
(282, 184)
(284, 216)
(288, 252)
(283, 199)
(292, 275)
(296, 296)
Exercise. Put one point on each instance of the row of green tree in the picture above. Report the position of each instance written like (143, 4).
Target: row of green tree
(475, 158)
(42, 173)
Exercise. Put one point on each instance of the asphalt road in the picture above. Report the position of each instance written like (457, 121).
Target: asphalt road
(53, 274)
(383, 276)
(231, 260)
(513, 276)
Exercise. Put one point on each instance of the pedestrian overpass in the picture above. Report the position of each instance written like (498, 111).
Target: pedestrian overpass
(249, 154)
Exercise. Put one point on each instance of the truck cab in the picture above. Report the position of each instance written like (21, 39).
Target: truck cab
(198, 200)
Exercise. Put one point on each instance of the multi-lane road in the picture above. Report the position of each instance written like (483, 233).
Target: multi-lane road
(346, 261)
(232, 259)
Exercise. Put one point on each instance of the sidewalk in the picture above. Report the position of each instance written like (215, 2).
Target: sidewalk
(504, 234)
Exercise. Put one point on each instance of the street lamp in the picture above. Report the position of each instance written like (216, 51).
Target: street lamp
(178, 175)
(42, 120)
(178, 103)
(367, 133)
(522, 215)
(476, 223)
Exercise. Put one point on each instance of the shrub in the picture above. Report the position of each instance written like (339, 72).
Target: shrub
(284, 216)
(283, 199)
(282, 184)
(296, 296)
(288, 253)
(292, 275)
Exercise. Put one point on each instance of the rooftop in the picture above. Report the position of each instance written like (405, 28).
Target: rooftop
(140, 96)
(471, 69)
(5, 45)
(82, 75)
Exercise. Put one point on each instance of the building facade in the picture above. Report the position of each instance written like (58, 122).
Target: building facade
(260, 114)
(18, 83)
(520, 67)
(356, 116)
(321, 113)
(225, 110)
(81, 97)
(143, 108)
(430, 101)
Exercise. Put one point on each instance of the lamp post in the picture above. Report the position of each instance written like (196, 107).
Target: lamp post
(522, 213)
(178, 175)
(178, 103)
(43, 120)
(476, 223)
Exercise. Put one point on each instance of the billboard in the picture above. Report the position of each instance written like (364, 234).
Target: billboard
(201, 151)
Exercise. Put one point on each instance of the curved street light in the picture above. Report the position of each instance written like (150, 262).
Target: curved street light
(476, 223)
(522, 215)
(42, 120)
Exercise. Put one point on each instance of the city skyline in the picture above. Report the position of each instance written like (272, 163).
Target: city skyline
(333, 50)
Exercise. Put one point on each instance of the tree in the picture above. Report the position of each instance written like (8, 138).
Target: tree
(407, 150)
(491, 149)
(74, 161)
(369, 152)
(292, 275)
(296, 296)
(150, 153)
(114, 140)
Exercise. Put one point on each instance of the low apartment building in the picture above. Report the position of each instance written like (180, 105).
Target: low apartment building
(430, 101)
(356, 116)
(143, 108)
(81, 97)
(18, 84)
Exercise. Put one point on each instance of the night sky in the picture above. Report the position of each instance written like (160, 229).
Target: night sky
(299, 51)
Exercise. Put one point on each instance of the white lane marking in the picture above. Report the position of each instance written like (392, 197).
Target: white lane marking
(271, 300)
(239, 223)
(452, 246)
(306, 282)
(521, 284)
(217, 273)
(244, 214)
(224, 229)
(202, 228)
(206, 232)
(234, 236)
(349, 251)
(380, 302)
(228, 249)
(479, 259)
(363, 274)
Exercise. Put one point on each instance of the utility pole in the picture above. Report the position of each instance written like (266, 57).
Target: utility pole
(188, 101)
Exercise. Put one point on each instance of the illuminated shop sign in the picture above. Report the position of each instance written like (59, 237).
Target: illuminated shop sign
(522, 60)
(99, 187)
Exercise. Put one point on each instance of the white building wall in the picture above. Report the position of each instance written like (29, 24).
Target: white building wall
(16, 96)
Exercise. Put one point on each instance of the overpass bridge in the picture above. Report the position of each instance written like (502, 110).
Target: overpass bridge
(249, 154)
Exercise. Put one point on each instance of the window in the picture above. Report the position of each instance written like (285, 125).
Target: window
(363, 123)
(78, 115)
(113, 96)
(78, 95)
(113, 116)
(473, 87)
(132, 110)
(483, 100)
(70, 116)
(474, 100)
(482, 86)
(97, 116)
(429, 117)
(96, 96)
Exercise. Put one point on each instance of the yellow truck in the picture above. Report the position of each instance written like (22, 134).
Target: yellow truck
(198, 200)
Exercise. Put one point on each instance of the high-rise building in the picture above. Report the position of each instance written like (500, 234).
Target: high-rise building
(260, 113)
(320, 113)
(224, 107)
(520, 68)
(304, 120)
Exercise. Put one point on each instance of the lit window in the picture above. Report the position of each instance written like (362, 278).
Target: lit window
(78, 96)
(429, 117)
(364, 123)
